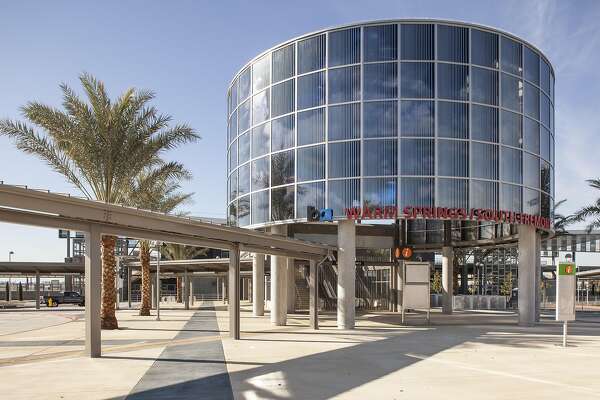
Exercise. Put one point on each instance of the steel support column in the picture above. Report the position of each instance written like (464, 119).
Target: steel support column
(346, 274)
(234, 292)
(291, 285)
(313, 285)
(37, 290)
(93, 292)
(528, 259)
(258, 287)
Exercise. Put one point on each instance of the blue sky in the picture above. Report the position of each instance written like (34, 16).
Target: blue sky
(188, 51)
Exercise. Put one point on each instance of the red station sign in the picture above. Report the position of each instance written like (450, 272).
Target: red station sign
(461, 214)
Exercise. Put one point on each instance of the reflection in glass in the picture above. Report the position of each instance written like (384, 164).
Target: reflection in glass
(244, 148)
(381, 119)
(233, 156)
(453, 158)
(452, 193)
(511, 60)
(244, 180)
(531, 135)
(416, 192)
(417, 156)
(344, 47)
(311, 126)
(485, 123)
(484, 194)
(545, 110)
(485, 160)
(282, 203)
(260, 140)
(283, 98)
(232, 98)
(244, 85)
(311, 163)
(311, 90)
(244, 116)
(417, 118)
(417, 41)
(510, 165)
(453, 120)
(261, 71)
(381, 43)
(510, 197)
(545, 177)
(232, 214)
(260, 107)
(260, 207)
(244, 211)
(344, 84)
(511, 133)
(310, 194)
(260, 173)
(233, 186)
(512, 92)
(284, 61)
(379, 192)
(380, 157)
(380, 81)
(453, 43)
(344, 159)
(232, 128)
(282, 133)
(484, 48)
(416, 80)
(343, 193)
(531, 170)
(311, 54)
(344, 122)
(531, 65)
(485, 86)
(545, 205)
(453, 82)
(282, 168)
(531, 101)
(531, 201)
(545, 76)
(545, 140)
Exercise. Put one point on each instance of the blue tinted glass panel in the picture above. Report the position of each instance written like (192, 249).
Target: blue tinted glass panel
(232, 214)
(244, 211)
(310, 194)
(244, 85)
(512, 92)
(484, 160)
(545, 76)
(311, 126)
(531, 135)
(531, 101)
(282, 168)
(545, 140)
(232, 128)
(510, 165)
(485, 86)
(512, 58)
(531, 201)
(545, 174)
(260, 173)
(417, 192)
(484, 194)
(452, 193)
(418, 157)
(484, 48)
(381, 119)
(244, 116)
(311, 54)
(233, 156)
(531, 170)
(380, 81)
(343, 193)
(233, 186)
(260, 207)
(244, 148)
(261, 73)
(282, 133)
(344, 159)
(417, 41)
(531, 66)
(261, 136)
(417, 118)
(452, 82)
(244, 180)
(545, 110)
(311, 90)
(344, 84)
(282, 203)
(416, 80)
(484, 124)
(380, 192)
(260, 107)
(510, 197)
(311, 163)
(381, 43)
(284, 63)
(284, 96)
(344, 122)
(453, 158)
(453, 44)
(453, 120)
(344, 47)
(511, 132)
(380, 157)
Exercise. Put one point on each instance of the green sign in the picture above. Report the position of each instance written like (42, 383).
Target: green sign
(566, 268)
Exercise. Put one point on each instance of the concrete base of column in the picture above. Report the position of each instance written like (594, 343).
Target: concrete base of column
(346, 274)
(291, 286)
(279, 283)
(258, 287)
(528, 259)
(447, 279)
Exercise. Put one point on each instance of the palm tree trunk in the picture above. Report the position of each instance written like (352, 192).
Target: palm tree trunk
(178, 291)
(146, 284)
(109, 321)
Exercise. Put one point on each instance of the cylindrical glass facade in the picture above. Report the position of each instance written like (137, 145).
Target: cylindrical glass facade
(394, 113)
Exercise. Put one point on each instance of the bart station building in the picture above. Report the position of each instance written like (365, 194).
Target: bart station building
(432, 135)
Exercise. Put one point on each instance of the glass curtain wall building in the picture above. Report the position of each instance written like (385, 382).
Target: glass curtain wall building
(391, 113)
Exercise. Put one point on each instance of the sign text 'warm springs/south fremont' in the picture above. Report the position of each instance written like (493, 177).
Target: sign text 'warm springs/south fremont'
(463, 214)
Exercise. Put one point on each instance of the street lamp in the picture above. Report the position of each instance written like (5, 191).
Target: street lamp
(10, 254)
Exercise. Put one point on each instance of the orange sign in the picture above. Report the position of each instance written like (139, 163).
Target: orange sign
(407, 252)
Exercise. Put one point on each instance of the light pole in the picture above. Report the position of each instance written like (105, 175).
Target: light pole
(10, 254)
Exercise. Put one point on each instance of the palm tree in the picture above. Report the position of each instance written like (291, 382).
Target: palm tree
(99, 145)
(172, 251)
(592, 210)
(562, 221)
(157, 190)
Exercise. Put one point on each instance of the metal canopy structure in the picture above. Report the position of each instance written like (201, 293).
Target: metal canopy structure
(195, 265)
(21, 205)
(41, 267)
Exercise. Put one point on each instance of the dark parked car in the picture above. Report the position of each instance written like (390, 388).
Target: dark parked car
(65, 298)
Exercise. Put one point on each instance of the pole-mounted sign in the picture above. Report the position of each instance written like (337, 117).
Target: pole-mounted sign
(565, 295)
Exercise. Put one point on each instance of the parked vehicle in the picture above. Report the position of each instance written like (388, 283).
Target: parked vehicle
(64, 298)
